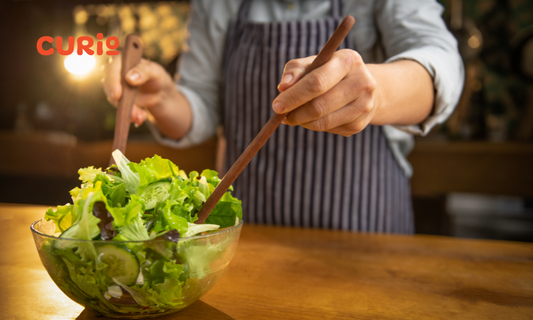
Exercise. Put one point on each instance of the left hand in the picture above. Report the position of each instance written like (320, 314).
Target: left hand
(338, 97)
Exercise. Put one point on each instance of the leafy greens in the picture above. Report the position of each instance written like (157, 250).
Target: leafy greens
(152, 201)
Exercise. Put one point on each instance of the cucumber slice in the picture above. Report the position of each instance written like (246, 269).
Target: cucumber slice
(154, 193)
(71, 233)
(121, 263)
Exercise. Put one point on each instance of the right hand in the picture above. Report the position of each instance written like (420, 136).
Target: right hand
(152, 81)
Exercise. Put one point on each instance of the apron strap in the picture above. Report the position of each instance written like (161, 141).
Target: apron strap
(244, 9)
(336, 8)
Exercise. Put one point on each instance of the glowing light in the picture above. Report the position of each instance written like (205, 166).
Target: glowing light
(474, 42)
(80, 65)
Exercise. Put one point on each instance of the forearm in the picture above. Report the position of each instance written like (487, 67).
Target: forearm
(404, 93)
(172, 114)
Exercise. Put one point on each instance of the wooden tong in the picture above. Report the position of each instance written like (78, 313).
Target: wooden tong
(323, 56)
(131, 56)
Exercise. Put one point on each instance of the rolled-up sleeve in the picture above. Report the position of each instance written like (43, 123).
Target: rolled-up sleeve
(201, 70)
(414, 30)
(203, 126)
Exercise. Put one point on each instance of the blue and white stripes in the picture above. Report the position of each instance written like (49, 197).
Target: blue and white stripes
(301, 177)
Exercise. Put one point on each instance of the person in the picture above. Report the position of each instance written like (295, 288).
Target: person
(339, 159)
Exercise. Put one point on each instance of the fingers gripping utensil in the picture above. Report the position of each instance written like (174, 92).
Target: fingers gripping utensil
(323, 56)
(131, 56)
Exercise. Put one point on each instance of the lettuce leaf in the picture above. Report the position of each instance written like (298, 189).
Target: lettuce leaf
(88, 174)
(129, 223)
(131, 179)
(211, 177)
(62, 217)
(85, 279)
(227, 212)
(155, 193)
(172, 219)
(134, 230)
(121, 215)
(200, 257)
(86, 225)
(152, 170)
(163, 286)
(117, 195)
(115, 192)
(195, 229)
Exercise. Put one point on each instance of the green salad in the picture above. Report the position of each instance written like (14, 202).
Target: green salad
(143, 214)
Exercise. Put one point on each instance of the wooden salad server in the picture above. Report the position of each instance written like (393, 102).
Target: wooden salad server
(131, 56)
(323, 56)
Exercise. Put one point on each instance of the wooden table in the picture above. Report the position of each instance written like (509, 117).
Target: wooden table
(285, 273)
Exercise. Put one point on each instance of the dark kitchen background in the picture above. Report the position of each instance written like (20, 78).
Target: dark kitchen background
(473, 175)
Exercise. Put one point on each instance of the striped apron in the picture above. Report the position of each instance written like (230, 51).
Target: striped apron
(301, 177)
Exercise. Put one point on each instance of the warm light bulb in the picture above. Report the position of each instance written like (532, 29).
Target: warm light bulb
(80, 65)
(474, 42)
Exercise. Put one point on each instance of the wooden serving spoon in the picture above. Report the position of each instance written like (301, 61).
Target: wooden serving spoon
(131, 56)
(323, 56)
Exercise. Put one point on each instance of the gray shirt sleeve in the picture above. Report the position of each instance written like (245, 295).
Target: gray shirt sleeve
(414, 30)
(201, 69)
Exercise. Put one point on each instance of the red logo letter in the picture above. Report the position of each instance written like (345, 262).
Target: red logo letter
(99, 49)
(112, 46)
(40, 45)
(86, 47)
(70, 49)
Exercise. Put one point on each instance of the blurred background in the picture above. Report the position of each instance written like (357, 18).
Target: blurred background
(473, 175)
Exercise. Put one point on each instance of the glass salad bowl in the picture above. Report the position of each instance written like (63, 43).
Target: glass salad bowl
(135, 279)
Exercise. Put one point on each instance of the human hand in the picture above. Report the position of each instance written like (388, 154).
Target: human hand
(338, 97)
(153, 84)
